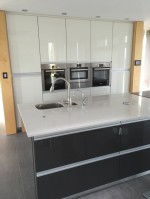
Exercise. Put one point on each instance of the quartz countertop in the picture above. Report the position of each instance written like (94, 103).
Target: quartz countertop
(100, 111)
(143, 93)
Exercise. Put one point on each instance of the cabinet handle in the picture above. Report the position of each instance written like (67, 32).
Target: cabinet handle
(120, 131)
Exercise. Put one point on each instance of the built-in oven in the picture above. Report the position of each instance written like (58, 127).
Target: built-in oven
(101, 74)
(50, 72)
(79, 75)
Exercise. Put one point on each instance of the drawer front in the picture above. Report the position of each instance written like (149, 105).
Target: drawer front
(135, 135)
(79, 179)
(134, 163)
(67, 149)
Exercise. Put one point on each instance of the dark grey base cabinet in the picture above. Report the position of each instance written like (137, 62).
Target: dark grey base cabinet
(134, 163)
(135, 134)
(62, 151)
(59, 151)
(78, 179)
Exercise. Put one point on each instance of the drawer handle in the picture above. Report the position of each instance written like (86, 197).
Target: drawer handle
(120, 131)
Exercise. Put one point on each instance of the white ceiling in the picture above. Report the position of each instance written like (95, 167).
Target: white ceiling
(135, 10)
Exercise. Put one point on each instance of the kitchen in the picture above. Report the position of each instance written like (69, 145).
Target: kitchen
(29, 45)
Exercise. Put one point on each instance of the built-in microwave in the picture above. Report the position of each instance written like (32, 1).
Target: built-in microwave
(79, 75)
(50, 72)
(101, 74)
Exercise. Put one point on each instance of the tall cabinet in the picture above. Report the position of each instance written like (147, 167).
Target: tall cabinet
(121, 57)
(101, 49)
(52, 34)
(101, 41)
(78, 40)
(25, 59)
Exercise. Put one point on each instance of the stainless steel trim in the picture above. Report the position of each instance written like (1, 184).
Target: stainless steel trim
(73, 67)
(135, 149)
(57, 70)
(49, 65)
(78, 69)
(97, 64)
(68, 132)
(15, 75)
(104, 68)
(107, 185)
(77, 164)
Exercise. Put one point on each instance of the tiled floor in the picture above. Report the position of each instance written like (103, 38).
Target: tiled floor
(16, 174)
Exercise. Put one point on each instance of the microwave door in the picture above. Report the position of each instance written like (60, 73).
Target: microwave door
(79, 74)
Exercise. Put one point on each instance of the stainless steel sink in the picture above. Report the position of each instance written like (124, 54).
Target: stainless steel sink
(48, 106)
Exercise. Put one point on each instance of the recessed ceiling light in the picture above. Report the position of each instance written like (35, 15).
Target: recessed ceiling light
(24, 10)
(98, 16)
(64, 13)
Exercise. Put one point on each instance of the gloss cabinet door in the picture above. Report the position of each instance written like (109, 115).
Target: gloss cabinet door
(120, 81)
(23, 43)
(27, 89)
(52, 36)
(78, 40)
(135, 134)
(72, 181)
(67, 149)
(134, 163)
(101, 41)
(122, 45)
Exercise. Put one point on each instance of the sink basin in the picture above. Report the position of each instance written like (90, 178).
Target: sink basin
(48, 106)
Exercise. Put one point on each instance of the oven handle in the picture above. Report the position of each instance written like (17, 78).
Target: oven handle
(78, 69)
(53, 70)
(101, 68)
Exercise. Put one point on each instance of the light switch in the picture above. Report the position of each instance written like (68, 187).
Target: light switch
(5, 75)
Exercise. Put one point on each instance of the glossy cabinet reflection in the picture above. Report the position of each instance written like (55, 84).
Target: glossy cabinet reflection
(135, 134)
(101, 41)
(62, 161)
(78, 179)
(78, 40)
(134, 163)
(122, 45)
(52, 35)
(23, 43)
(100, 90)
(67, 149)
(27, 89)
(120, 81)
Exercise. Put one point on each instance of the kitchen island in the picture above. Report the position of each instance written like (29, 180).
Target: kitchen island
(83, 148)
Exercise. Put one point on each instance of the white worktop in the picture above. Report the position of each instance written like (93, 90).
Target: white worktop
(98, 112)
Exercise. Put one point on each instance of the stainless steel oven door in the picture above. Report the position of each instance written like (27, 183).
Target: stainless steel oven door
(79, 74)
(48, 77)
(101, 76)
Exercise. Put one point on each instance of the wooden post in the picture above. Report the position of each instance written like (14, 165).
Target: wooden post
(6, 83)
(138, 34)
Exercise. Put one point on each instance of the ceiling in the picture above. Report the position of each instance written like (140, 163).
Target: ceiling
(135, 10)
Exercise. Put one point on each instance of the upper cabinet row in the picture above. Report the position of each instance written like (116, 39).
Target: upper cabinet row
(33, 40)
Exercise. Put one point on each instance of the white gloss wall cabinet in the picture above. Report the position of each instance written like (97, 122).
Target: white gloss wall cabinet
(122, 45)
(101, 41)
(23, 43)
(78, 40)
(101, 90)
(120, 82)
(27, 89)
(52, 34)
